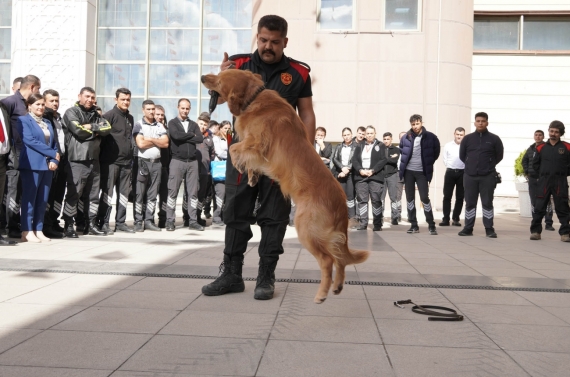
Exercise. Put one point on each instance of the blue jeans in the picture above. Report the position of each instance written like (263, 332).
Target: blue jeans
(35, 193)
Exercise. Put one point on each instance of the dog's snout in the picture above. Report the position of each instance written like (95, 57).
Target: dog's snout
(203, 79)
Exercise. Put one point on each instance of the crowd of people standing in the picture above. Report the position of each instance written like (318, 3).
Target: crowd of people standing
(73, 165)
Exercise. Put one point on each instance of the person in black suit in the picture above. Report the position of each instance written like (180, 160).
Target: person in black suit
(5, 137)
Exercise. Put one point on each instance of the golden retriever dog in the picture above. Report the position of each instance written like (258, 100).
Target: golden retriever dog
(274, 142)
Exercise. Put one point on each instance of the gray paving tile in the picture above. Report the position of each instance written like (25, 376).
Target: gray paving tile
(562, 313)
(7, 371)
(221, 324)
(521, 282)
(310, 290)
(325, 329)
(386, 277)
(529, 337)
(444, 270)
(300, 305)
(75, 349)
(292, 358)
(543, 364)
(508, 314)
(158, 374)
(482, 296)
(198, 355)
(33, 316)
(169, 284)
(127, 320)
(547, 298)
(8, 291)
(77, 296)
(386, 310)
(462, 280)
(98, 281)
(241, 302)
(11, 337)
(150, 299)
(419, 295)
(439, 361)
(462, 334)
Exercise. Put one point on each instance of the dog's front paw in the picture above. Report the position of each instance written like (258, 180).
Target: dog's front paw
(253, 178)
(338, 290)
(319, 299)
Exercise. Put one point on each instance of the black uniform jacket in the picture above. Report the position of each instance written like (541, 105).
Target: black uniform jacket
(337, 158)
(481, 152)
(117, 148)
(377, 162)
(552, 159)
(183, 143)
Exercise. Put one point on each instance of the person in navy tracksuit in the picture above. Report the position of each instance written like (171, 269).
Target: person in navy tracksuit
(38, 159)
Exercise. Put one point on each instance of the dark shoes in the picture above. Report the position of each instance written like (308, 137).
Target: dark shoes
(208, 214)
(94, 231)
(413, 229)
(535, 237)
(432, 230)
(122, 227)
(394, 222)
(218, 223)
(49, 232)
(70, 231)
(195, 226)
(186, 223)
(4, 242)
(14, 233)
(265, 284)
(444, 223)
(170, 226)
(455, 223)
(362, 227)
(490, 233)
(199, 219)
(229, 281)
(139, 228)
(466, 232)
(105, 229)
(149, 225)
(549, 227)
(80, 228)
(377, 228)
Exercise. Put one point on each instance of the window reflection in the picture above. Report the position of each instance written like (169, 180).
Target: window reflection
(5, 44)
(401, 15)
(122, 13)
(5, 12)
(5, 82)
(336, 14)
(174, 44)
(121, 44)
(216, 42)
(173, 80)
(113, 76)
(227, 14)
(182, 13)
(171, 107)
(546, 34)
(496, 34)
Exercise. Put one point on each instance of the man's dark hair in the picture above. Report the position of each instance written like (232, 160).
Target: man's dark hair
(273, 23)
(33, 98)
(346, 129)
(122, 91)
(30, 80)
(51, 92)
(87, 89)
(416, 117)
(540, 132)
(322, 129)
(184, 99)
(224, 122)
(204, 116)
(213, 123)
(371, 126)
(18, 79)
(159, 107)
(459, 129)
(557, 124)
(361, 128)
(482, 114)
(387, 134)
(147, 102)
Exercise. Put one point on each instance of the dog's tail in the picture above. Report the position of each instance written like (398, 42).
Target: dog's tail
(358, 256)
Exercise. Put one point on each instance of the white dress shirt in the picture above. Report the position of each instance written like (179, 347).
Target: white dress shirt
(451, 156)
(5, 146)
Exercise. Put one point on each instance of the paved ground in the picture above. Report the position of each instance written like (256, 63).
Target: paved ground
(78, 324)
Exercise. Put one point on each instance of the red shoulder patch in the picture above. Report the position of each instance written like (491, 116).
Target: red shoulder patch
(567, 145)
(539, 148)
(303, 71)
(241, 61)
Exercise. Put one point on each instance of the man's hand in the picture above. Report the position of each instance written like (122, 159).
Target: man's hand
(394, 155)
(345, 170)
(57, 156)
(52, 166)
(86, 126)
(341, 175)
(227, 63)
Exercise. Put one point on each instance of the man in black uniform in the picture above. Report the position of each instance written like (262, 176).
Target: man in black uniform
(292, 81)
(116, 159)
(532, 177)
(160, 117)
(552, 162)
(480, 151)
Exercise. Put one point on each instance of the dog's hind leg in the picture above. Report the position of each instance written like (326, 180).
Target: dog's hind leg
(338, 277)
(326, 264)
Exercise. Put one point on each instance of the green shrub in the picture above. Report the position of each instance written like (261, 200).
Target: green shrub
(519, 171)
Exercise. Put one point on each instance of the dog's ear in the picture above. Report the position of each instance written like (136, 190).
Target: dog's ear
(258, 76)
(235, 103)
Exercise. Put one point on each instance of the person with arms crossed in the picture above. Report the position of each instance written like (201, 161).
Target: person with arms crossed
(292, 81)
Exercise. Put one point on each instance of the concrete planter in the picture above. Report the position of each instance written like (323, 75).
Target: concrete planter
(524, 199)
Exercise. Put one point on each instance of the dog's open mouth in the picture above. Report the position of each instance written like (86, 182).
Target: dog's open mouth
(213, 101)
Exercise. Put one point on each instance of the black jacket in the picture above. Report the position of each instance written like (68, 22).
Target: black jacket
(552, 159)
(205, 153)
(82, 144)
(7, 125)
(117, 148)
(337, 158)
(327, 152)
(49, 115)
(15, 106)
(182, 143)
(377, 162)
(527, 162)
(481, 152)
(391, 167)
(430, 148)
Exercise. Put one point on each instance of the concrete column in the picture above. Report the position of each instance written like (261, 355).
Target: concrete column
(55, 40)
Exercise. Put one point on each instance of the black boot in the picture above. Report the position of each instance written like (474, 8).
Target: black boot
(265, 285)
(199, 219)
(229, 281)
(94, 231)
(70, 231)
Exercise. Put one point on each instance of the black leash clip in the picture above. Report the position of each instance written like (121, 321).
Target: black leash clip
(450, 315)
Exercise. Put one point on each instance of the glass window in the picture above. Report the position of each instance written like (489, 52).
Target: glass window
(216, 42)
(173, 80)
(5, 47)
(546, 33)
(110, 77)
(227, 14)
(336, 14)
(496, 33)
(122, 13)
(121, 44)
(179, 13)
(5, 82)
(221, 113)
(171, 107)
(6, 13)
(5, 43)
(174, 45)
(402, 15)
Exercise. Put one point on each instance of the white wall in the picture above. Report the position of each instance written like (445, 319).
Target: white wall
(521, 94)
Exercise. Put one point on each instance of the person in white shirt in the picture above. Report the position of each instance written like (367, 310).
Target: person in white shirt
(453, 179)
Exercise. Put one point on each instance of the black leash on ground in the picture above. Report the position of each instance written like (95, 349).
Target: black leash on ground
(451, 314)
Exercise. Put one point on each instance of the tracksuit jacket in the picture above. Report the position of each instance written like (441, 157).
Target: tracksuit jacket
(527, 161)
(118, 146)
(481, 152)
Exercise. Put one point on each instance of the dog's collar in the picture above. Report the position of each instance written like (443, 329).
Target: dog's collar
(259, 90)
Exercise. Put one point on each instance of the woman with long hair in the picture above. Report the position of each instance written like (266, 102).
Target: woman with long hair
(342, 169)
(221, 149)
(38, 160)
